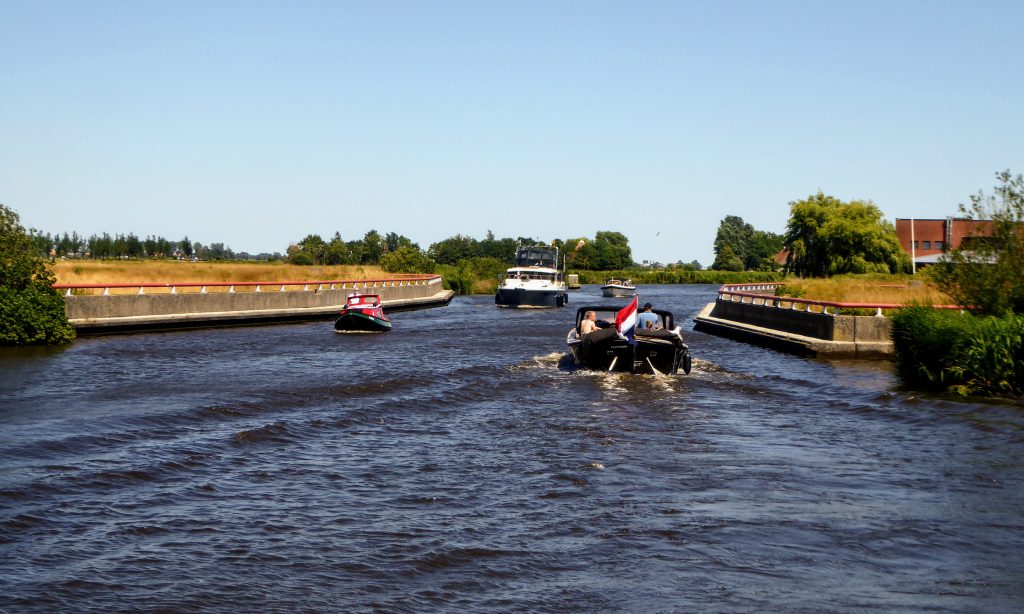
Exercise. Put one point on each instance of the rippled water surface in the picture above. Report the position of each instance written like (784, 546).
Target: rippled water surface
(460, 462)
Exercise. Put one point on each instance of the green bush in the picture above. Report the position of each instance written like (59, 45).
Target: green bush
(473, 275)
(31, 311)
(407, 260)
(34, 315)
(960, 352)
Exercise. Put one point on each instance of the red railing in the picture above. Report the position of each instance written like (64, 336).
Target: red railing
(284, 286)
(765, 293)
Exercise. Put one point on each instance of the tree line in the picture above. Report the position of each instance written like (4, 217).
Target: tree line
(607, 250)
(106, 246)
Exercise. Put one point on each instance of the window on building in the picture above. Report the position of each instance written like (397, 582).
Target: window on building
(938, 245)
(915, 245)
(927, 245)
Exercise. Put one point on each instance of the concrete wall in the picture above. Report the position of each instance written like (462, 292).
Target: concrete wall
(798, 331)
(816, 325)
(163, 310)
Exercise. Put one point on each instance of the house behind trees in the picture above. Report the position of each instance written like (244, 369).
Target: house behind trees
(925, 240)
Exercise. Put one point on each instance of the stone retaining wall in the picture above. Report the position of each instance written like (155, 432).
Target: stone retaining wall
(797, 330)
(190, 309)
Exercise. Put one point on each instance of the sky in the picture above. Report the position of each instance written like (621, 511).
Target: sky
(255, 124)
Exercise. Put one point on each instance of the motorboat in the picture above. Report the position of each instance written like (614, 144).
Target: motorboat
(362, 313)
(614, 347)
(616, 287)
(533, 280)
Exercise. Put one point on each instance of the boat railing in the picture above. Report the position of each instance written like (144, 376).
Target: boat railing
(392, 281)
(763, 295)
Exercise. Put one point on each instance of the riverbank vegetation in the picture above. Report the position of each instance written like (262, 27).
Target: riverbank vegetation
(980, 351)
(31, 311)
(872, 288)
(958, 352)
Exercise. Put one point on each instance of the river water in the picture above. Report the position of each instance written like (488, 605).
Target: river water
(461, 463)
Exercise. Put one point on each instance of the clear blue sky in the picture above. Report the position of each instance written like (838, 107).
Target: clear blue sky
(257, 123)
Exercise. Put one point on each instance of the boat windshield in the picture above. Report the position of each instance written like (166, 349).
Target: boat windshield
(362, 299)
(528, 275)
(537, 256)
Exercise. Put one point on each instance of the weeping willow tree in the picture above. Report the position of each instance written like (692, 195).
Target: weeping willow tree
(826, 237)
(31, 311)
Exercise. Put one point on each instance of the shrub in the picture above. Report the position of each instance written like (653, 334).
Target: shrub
(31, 311)
(960, 352)
(407, 260)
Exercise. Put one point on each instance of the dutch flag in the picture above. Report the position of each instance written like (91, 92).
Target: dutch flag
(625, 320)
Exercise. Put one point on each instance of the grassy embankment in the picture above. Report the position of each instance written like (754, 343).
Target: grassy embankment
(884, 289)
(179, 271)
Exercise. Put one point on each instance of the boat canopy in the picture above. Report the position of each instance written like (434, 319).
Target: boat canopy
(537, 256)
(364, 300)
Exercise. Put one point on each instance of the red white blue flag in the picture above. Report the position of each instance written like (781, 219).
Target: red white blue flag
(625, 320)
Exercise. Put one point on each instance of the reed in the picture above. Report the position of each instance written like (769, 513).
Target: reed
(960, 352)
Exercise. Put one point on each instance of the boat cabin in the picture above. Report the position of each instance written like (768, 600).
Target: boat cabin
(546, 257)
(363, 301)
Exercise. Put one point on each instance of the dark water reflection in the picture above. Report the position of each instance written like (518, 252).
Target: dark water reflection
(461, 463)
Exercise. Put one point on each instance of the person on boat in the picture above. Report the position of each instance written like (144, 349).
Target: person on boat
(647, 319)
(589, 323)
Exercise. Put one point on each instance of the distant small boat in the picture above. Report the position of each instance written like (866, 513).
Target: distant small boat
(615, 287)
(362, 313)
(572, 281)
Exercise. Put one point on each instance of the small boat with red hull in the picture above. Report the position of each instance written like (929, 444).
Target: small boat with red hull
(362, 313)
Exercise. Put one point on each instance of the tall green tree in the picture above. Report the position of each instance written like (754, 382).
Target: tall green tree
(454, 249)
(612, 251)
(407, 259)
(987, 273)
(737, 240)
(828, 237)
(31, 311)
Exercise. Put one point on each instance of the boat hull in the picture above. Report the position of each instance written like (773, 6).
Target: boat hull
(355, 322)
(618, 291)
(529, 297)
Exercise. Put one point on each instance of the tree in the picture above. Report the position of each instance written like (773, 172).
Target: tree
(454, 249)
(373, 248)
(726, 259)
(755, 249)
(314, 250)
(31, 311)
(828, 237)
(987, 273)
(407, 259)
(612, 251)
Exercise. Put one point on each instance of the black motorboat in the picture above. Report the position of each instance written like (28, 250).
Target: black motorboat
(656, 351)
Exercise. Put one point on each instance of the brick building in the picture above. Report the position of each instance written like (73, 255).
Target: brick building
(926, 240)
